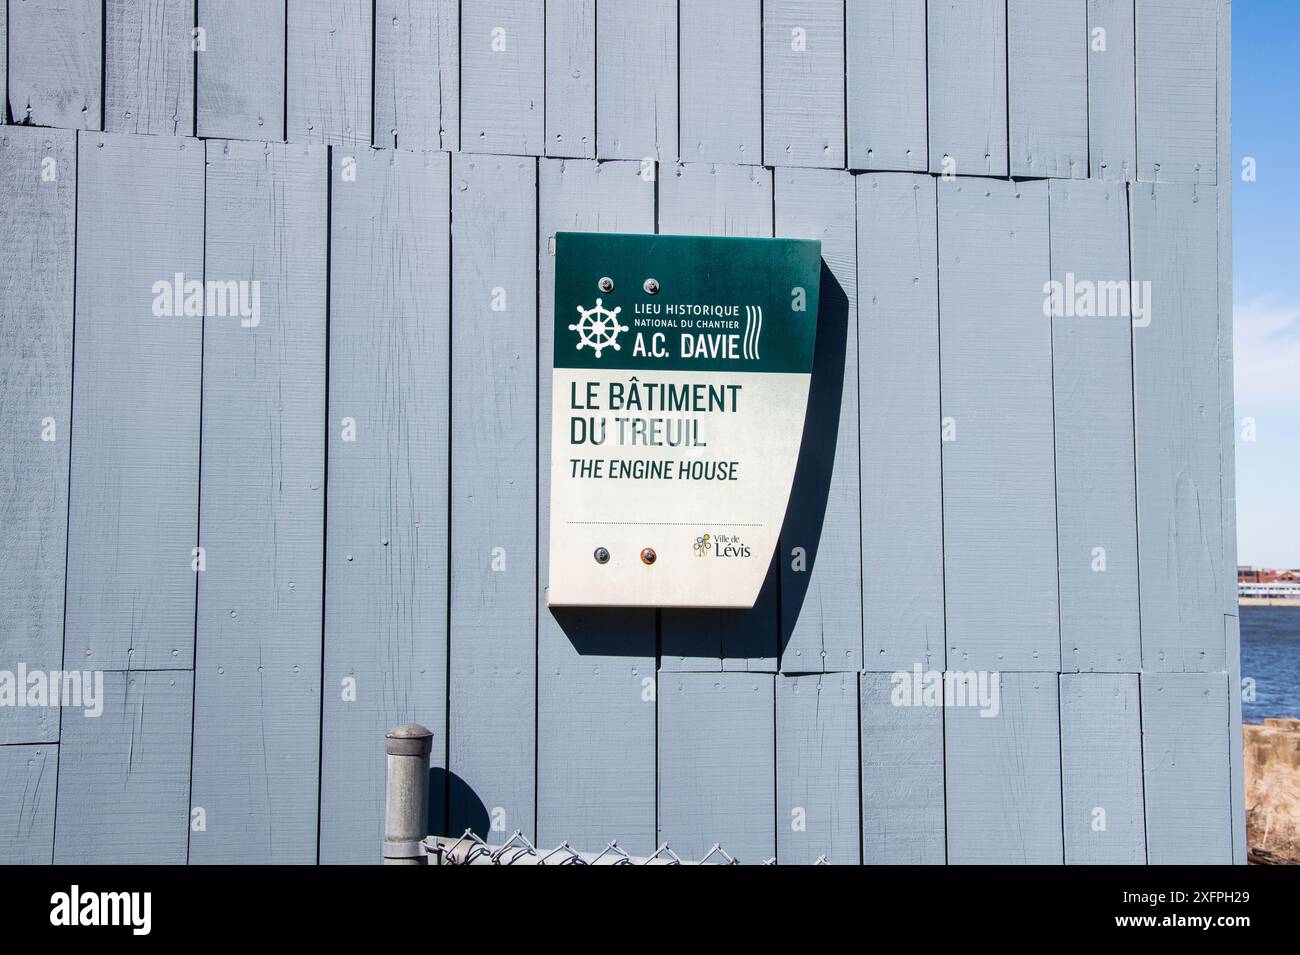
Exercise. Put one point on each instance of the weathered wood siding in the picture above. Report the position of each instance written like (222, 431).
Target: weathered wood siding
(493, 553)
(262, 508)
(276, 539)
(385, 631)
(149, 66)
(240, 78)
(37, 227)
(1092, 400)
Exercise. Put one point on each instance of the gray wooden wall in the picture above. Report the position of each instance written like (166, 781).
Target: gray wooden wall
(392, 173)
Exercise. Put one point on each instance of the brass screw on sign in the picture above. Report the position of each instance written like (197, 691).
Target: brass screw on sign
(648, 556)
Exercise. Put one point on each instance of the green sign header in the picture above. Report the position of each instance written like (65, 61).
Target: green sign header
(685, 303)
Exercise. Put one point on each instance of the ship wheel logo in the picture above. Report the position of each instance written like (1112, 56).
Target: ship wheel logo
(598, 328)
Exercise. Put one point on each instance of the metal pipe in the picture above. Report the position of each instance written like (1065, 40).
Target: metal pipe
(406, 815)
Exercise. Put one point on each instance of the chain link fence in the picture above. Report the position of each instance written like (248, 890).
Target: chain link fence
(469, 849)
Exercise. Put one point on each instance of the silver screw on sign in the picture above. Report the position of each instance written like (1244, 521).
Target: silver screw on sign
(606, 284)
(651, 286)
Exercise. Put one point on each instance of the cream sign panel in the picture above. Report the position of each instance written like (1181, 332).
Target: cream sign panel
(680, 384)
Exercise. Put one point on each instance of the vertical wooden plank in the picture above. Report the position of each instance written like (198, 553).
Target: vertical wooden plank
(885, 46)
(803, 83)
(967, 73)
(417, 74)
(707, 199)
(329, 72)
(27, 775)
(817, 775)
(1112, 91)
(135, 406)
(494, 493)
(262, 509)
(1004, 775)
(149, 66)
(595, 668)
(1227, 424)
(820, 550)
(715, 199)
(902, 776)
(55, 63)
(721, 45)
(595, 729)
(999, 495)
(1227, 450)
(503, 54)
(898, 359)
(124, 776)
(1177, 114)
(1176, 397)
(38, 177)
(388, 460)
(4, 63)
(1092, 393)
(1185, 768)
(1236, 758)
(716, 772)
(241, 70)
(637, 76)
(1101, 769)
(1047, 87)
(386, 509)
(571, 78)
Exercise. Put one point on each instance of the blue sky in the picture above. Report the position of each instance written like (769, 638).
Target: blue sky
(1266, 278)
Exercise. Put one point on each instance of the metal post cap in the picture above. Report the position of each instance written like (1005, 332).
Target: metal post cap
(409, 739)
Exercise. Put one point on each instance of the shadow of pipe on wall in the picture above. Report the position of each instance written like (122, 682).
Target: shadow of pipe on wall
(455, 801)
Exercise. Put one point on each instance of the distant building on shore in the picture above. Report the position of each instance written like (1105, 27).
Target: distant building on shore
(1268, 586)
(1266, 575)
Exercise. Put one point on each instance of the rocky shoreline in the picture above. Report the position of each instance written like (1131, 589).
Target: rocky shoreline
(1272, 754)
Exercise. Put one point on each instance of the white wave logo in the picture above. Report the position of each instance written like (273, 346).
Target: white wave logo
(753, 328)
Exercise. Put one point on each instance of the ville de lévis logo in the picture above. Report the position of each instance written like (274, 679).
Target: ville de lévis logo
(598, 328)
(721, 545)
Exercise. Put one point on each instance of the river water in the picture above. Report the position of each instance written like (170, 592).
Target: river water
(1270, 654)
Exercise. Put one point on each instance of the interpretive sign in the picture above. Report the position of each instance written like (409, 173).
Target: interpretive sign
(681, 376)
